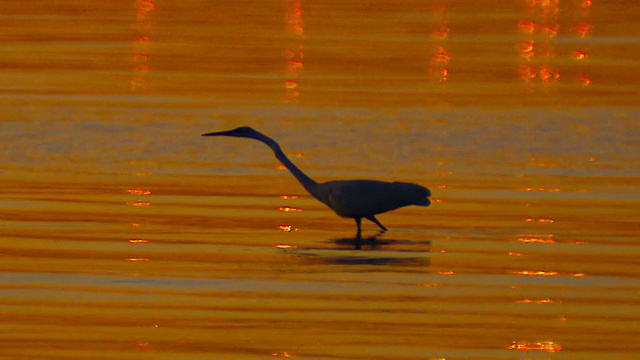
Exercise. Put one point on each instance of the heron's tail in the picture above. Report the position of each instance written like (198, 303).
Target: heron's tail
(423, 202)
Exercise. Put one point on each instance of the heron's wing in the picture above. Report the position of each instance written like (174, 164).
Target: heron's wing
(359, 198)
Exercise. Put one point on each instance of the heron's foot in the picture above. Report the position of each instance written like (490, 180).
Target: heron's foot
(369, 241)
(374, 237)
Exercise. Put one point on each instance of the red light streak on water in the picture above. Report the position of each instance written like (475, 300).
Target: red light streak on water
(287, 228)
(525, 50)
(546, 346)
(548, 73)
(584, 29)
(439, 59)
(441, 56)
(541, 189)
(442, 74)
(138, 191)
(537, 50)
(295, 66)
(289, 209)
(527, 26)
(294, 50)
(579, 55)
(141, 44)
(441, 33)
(538, 302)
(585, 81)
(140, 58)
(289, 197)
(283, 354)
(286, 246)
(540, 220)
(534, 273)
(139, 203)
(138, 241)
(550, 31)
(537, 238)
(143, 8)
(527, 74)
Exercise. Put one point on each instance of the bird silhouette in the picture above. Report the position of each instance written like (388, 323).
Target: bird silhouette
(355, 199)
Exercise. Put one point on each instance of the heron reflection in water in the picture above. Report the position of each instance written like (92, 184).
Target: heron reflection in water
(355, 199)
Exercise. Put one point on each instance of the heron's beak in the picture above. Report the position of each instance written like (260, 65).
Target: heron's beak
(218, 133)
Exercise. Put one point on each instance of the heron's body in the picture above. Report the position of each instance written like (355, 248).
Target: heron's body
(355, 199)
(363, 198)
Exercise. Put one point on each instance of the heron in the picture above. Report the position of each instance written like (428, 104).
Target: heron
(356, 199)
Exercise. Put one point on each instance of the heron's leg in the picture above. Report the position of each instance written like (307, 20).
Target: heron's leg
(374, 220)
(359, 225)
(358, 233)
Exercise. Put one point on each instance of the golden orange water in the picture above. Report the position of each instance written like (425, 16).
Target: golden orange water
(126, 235)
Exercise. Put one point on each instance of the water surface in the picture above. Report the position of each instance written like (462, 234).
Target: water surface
(124, 234)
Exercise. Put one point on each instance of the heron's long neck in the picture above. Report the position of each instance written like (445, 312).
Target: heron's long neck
(303, 179)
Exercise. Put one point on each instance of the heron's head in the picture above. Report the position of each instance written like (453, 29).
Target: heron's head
(242, 132)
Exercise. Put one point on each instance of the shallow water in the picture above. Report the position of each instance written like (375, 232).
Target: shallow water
(124, 234)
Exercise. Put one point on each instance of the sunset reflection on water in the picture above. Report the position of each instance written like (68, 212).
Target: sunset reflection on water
(294, 50)
(141, 45)
(546, 346)
(125, 234)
